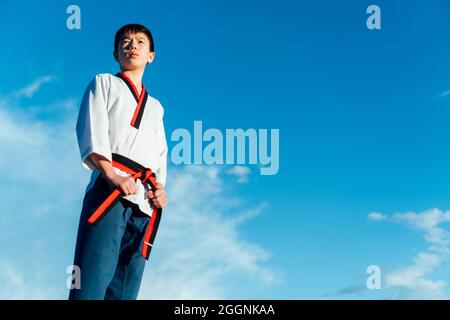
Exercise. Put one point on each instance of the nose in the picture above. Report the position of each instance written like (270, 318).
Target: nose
(133, 44)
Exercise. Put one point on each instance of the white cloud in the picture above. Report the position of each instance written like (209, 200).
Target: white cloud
(41, 186)
(376, 216)
(25, 283)
(32, 88)
(199, 250)
(39, 158)
(414, 280)
(240, 172)
(199, 247)
(428, 222)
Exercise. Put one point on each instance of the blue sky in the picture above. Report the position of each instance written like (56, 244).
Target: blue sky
(362, 116)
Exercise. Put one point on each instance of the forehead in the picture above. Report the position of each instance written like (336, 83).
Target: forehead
(131, 34)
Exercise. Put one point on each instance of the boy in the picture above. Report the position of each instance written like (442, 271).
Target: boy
(121, 138)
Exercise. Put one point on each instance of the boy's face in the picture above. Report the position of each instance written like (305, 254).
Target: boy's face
(133, 51)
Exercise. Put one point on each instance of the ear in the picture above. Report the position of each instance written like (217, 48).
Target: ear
(151, 57)
(116, 57)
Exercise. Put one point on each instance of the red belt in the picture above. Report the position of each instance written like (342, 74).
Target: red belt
(148, 178)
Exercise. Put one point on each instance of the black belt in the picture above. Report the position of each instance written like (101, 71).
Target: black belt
(147, 177)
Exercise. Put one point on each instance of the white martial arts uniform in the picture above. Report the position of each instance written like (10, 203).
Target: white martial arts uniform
(103, 127)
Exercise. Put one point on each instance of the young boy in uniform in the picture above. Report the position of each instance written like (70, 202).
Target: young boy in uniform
(121, 137)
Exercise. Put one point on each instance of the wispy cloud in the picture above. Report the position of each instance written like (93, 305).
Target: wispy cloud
(40, 191)
(32, 88)
(415, 278)
(351, 289)
(20, 284)
(200, 250)
(428, 222)
(412, 278)
(348, 290)
(240, 172)
(376, 216)
(444, 94)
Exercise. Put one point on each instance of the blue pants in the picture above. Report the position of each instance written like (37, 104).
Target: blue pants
(108, 252)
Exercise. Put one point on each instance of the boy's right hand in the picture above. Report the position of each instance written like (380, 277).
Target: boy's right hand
(126, 184)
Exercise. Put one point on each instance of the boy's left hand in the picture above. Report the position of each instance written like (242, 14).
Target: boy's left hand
(158, 197)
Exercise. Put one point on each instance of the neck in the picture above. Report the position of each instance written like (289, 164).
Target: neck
(136, 77)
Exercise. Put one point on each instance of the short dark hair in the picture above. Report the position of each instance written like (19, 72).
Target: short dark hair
(133, 28)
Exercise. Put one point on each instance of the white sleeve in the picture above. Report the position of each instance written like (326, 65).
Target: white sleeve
(161, 172)
(93, 123)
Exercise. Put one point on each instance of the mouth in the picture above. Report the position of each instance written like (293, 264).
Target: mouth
(132, 55)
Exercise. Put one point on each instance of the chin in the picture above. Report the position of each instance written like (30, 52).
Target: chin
(132, 65)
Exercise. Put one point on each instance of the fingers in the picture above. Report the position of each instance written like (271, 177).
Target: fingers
(161, 199)
(160, 203)
(158, 198)
(151, 194)
(129, 186)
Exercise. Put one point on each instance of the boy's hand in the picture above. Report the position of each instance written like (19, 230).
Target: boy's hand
(127, 184)
(158, 197)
